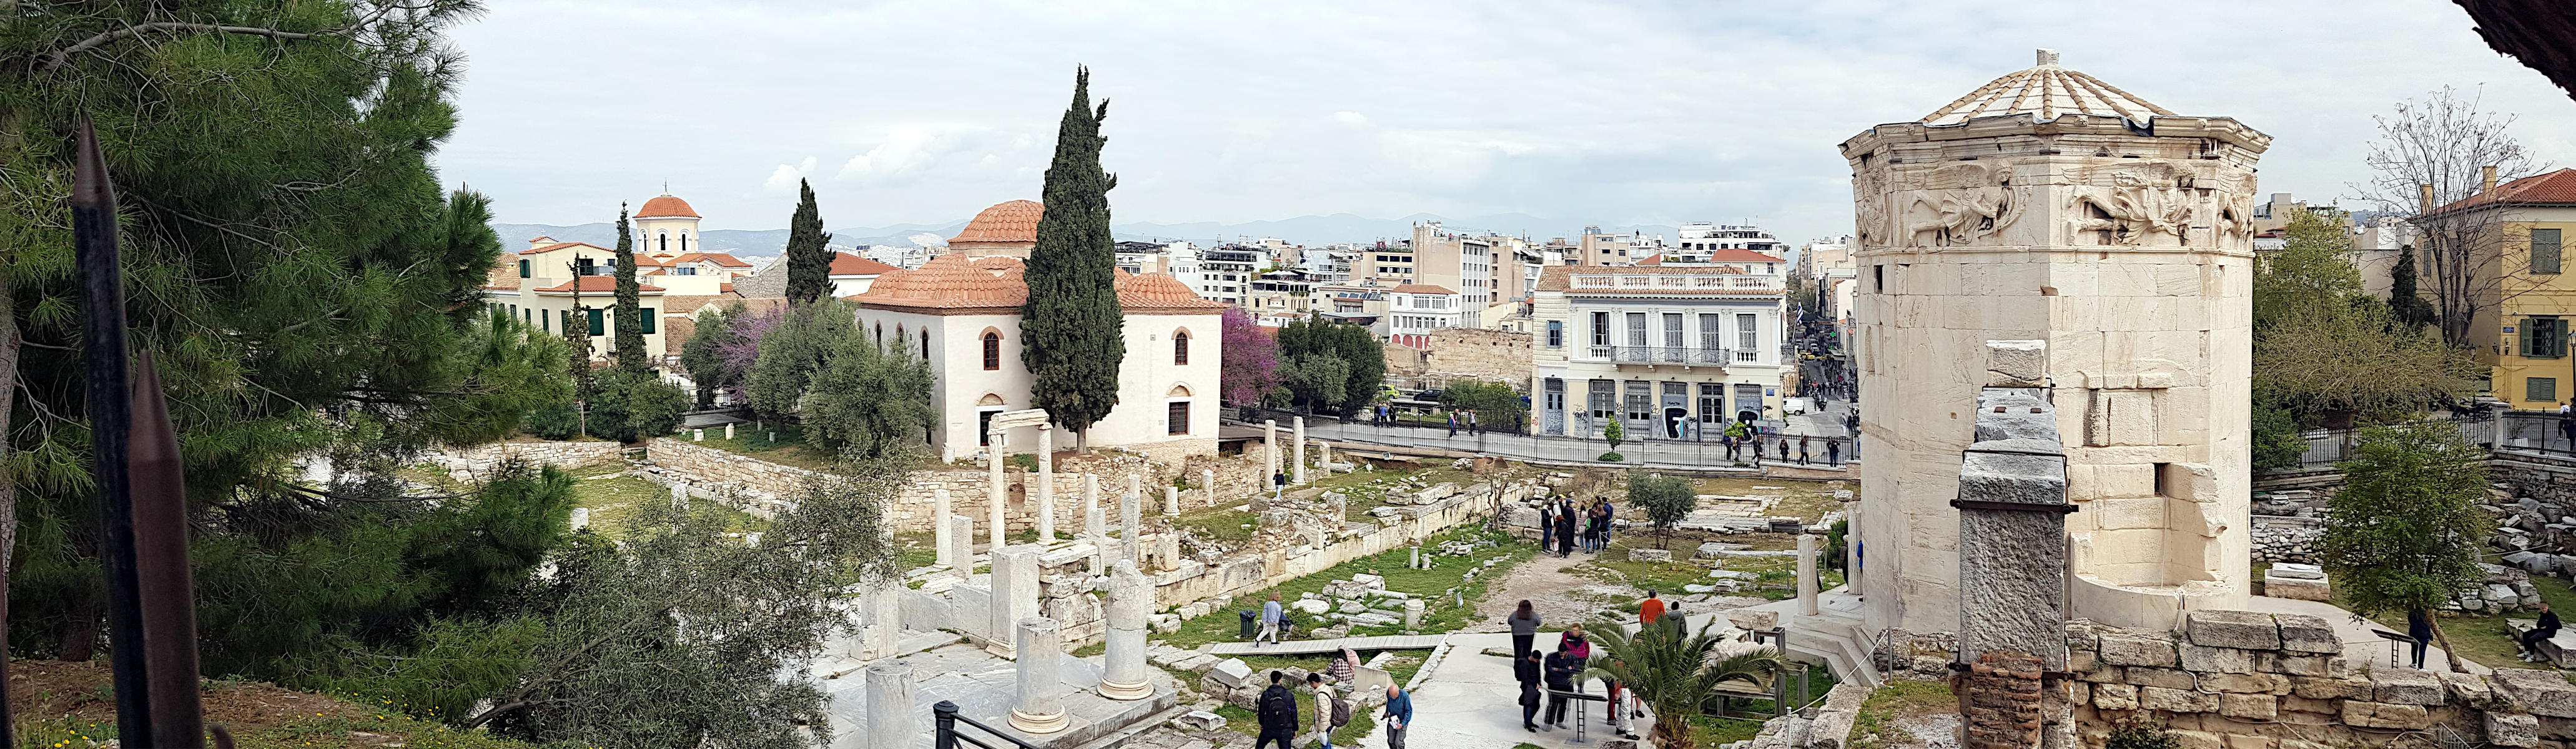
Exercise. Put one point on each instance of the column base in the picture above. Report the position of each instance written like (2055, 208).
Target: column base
(1117, 691)
(1040, 724)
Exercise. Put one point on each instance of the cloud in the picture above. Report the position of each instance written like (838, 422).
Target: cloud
(785, 176)
(1348, 117)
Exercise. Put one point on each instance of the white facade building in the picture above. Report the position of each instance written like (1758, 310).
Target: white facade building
(1673, 352)
(1414, 310)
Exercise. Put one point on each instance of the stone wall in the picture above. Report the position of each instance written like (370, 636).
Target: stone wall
(762, 484)
(1461, 353)
(2280, 681)
(759, 484)
(480, 459)
(2283, 538)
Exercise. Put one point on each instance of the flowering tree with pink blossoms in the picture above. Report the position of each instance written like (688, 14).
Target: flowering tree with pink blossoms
(1251, 360)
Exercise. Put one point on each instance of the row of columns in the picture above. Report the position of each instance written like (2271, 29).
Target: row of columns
(1270, 453)
(1037, 645)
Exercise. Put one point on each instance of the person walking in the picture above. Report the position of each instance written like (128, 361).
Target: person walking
(1834, 453)
(1278, 483)
(2419, 627)
(1277, 714)
(1619, 711)
(1546, 525)
(1524, 623)
(1271, 613)
(1648, 610)
(1453, 423)
(1560, 683)
(1471, 422)
(1530, 669)
(1609, 516)
(1398, 716)
(1576, 646)
(1727, 441)
(1323, 708)
(1802, 450)
(1784, 449)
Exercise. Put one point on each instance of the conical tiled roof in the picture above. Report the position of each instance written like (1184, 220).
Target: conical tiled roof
(949, 282)
(2046, 91)
(666, 206)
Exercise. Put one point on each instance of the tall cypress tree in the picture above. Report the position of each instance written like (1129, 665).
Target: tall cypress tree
(1069, 330)
(630, 302)
(809, 259)
(576, 330)
(2404, 302)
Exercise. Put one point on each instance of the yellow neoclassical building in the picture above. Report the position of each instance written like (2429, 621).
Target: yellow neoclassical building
(2521, 330)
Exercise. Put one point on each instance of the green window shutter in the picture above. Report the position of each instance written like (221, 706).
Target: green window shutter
(647, 314)
(2544, 250)
(2543, 389)
(2524, 332)
(523, 269)
(597, 319)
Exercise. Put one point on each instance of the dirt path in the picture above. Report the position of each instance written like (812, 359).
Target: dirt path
(1548, 584)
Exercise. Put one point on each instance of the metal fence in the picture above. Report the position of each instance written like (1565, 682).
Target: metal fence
(1820, 452)
(2504, 431)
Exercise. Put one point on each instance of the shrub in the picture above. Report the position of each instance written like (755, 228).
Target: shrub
(2141, 734)
(555, 422)
(1612, 457)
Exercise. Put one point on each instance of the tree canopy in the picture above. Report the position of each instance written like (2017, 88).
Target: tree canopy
(1362, 357)
(629, 318)
(809, 251)
(1071, 329)
(1251, 360)
(1665, 499)
(2406, 531)
(2329, 353)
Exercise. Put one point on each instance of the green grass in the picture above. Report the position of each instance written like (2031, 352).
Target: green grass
(918, 551)
(1875, 725)
(614, 500)
(320, 732)
(1778, 575)
(1221, 524)
(2482, 637)
(790, 448)
(1220, 626)
(1710, 731)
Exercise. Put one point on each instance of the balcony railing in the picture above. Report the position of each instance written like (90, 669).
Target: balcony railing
(1683, 355)
(1704, 283)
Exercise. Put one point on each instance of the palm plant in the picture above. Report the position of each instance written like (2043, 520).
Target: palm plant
(1674, 672)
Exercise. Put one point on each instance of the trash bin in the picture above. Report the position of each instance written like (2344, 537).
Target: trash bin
(1251, 623)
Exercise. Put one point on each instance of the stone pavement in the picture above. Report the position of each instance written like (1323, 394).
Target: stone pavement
(2359, 645)
(1473, 702)
(984, 688)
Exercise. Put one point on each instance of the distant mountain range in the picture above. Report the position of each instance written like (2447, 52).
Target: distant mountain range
(1312, 231)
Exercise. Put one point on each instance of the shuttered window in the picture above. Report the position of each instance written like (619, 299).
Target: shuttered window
(2542, 337)
(598, 321)
(2544, 250)
(2543, 389)
(647, 314)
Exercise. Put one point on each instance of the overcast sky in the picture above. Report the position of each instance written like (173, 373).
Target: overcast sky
(1609, 113)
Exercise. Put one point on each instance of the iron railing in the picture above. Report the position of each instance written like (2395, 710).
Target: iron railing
(1686, 355)
(945, 716)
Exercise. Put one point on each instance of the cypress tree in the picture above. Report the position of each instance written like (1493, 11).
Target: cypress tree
(2410, 309)
(809, 259)
(630, 301)
(576, 332)
(1069, 329)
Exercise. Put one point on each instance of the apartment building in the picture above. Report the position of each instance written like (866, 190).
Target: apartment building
(1414, 310)
(1225, 272)
(541, 284)
(2518, 239)
(1279, 297)
(1697, 241)
(1672, 352)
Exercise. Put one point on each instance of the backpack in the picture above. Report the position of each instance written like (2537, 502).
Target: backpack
(1341, 712)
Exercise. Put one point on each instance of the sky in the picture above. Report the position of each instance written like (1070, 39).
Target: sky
(1581, 113)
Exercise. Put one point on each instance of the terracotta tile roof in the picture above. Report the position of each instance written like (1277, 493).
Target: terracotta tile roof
(504, 274)
(1740, 255)
(846, 264)
(598, 284)
(1160, 292)
(1013, 221)
(546, 248)
(719, 258)
(1421, 288)
(2046, 91)
(948, 284)
(2558, 187)
(665, 207)
(1652, 260)
(725, 287)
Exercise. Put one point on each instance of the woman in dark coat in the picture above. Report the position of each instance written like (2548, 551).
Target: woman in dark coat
(1565, 530)
(1530, 669)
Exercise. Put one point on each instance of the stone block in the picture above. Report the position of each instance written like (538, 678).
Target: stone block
(2405, 686)
(2511, 729)
(2296, 703)
(2220, 660)
(2544, 693)
(2245, 741)
(2298, 665)
(2382, 715)
(2176, 700)
(1200, 720)
(1649, 555)
(2304, 633)
(2078, 693)
(2339, 688)
(2232, 629)
(2163, 677)
(2103, 674)
(2249, 706)
(2115, 697)
(2190, 739)
(2245, 683)
(1231, 672)
(2120, 649)
(2466, 689)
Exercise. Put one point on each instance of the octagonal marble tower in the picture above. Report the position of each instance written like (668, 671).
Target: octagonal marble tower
(2050, 206)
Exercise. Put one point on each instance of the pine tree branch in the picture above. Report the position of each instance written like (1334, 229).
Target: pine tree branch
(64, 55)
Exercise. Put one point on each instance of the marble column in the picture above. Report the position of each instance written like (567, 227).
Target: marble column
(1412, 614)
(1207, 482)
(1131, 519)
(999, 495)
(1324, 456)
(1269, 450)
(1299, 445)
(1172, 501)
(1807, 574)
(679, 497)
(1131, 599)
(893, 721)
(728, 430)
(883, 608)
(940, 509)
(1041, 649)
(1095, 523)
(1015, 586)
(1046, 483)
(961, 540)
(1168, 546)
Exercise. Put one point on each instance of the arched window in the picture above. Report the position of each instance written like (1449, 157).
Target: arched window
(1181, 348)
(880, 336)
(684, 243)
(992, 351)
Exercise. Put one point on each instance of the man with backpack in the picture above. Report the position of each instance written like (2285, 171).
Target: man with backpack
(1330, 712)
(1277, 714)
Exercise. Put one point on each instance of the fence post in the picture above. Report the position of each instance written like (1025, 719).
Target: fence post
(944, 715)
